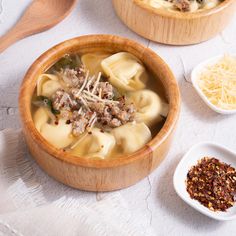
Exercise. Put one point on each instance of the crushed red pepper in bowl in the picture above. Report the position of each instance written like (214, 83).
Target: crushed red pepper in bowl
(212, 183)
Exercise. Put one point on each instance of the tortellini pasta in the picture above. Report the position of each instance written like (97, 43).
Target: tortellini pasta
(194, 6)
(47, 84)
(149, 106)
(92, 62)
(159, 3)
(210, 4)
(125, 71)
(40, 118)
(95, 145)
(131, 137)
(59, 135)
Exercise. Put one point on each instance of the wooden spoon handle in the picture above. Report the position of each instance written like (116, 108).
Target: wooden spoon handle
(9, 38)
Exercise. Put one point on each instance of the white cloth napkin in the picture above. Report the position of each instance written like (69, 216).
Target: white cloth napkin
(33, 204)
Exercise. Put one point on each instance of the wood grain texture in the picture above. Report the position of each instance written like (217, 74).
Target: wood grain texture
(39, 16)
(99, 175)
(175, 28)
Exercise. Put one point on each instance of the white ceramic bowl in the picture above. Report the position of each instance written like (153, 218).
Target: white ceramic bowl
(194, 77)
(190, 158)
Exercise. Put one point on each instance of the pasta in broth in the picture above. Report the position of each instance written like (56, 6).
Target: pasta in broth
(183, 5)
(98, 105)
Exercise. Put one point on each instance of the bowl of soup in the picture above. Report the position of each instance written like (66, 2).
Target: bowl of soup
(99, 112)
(176, 22)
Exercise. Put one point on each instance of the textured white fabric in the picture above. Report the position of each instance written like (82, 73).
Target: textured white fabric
(31, 203)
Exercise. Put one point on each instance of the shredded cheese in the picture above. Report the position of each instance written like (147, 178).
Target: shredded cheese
(84, 84)
(218, 83)
(97, 81)
(94, 98)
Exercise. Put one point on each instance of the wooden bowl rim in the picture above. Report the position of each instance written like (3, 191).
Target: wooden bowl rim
(27, 121)
(184, 15)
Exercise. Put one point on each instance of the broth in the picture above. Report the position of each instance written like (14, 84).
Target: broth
(183, 5)
(114, 110)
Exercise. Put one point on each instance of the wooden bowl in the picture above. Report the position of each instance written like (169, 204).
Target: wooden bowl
(175, 28)
(99, 175)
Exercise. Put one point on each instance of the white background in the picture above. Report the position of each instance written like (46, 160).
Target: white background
(154, 198)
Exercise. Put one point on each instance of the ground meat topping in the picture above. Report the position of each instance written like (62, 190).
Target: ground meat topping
(213, 184)
(63, 101)
(105, 90)
(182, 5)
(88, 101)
(79, 125)
(73, 78)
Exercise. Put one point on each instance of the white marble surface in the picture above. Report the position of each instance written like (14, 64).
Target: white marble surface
(154, 198)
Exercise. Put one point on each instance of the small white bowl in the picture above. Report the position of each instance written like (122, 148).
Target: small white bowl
(194, 77)
(191, 158)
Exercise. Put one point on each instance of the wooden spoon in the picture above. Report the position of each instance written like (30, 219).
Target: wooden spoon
(39, 16)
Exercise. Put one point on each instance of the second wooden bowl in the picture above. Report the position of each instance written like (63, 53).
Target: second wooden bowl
(175, 28)
(99, 175)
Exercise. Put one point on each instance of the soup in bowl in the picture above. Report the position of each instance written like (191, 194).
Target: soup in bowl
(176, 22)
(183, 5)
(98, 112)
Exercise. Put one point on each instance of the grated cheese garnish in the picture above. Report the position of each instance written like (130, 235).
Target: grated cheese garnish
(97, 81)
(218, 83)
(84, 84)
(96, 98)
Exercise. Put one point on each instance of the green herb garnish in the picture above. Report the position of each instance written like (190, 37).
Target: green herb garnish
(68, 61)
(42, 101)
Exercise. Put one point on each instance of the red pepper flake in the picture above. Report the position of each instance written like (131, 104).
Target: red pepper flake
(212, 183)
(89, 132)
(56, 122)
(104, 122)
(68, 122)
